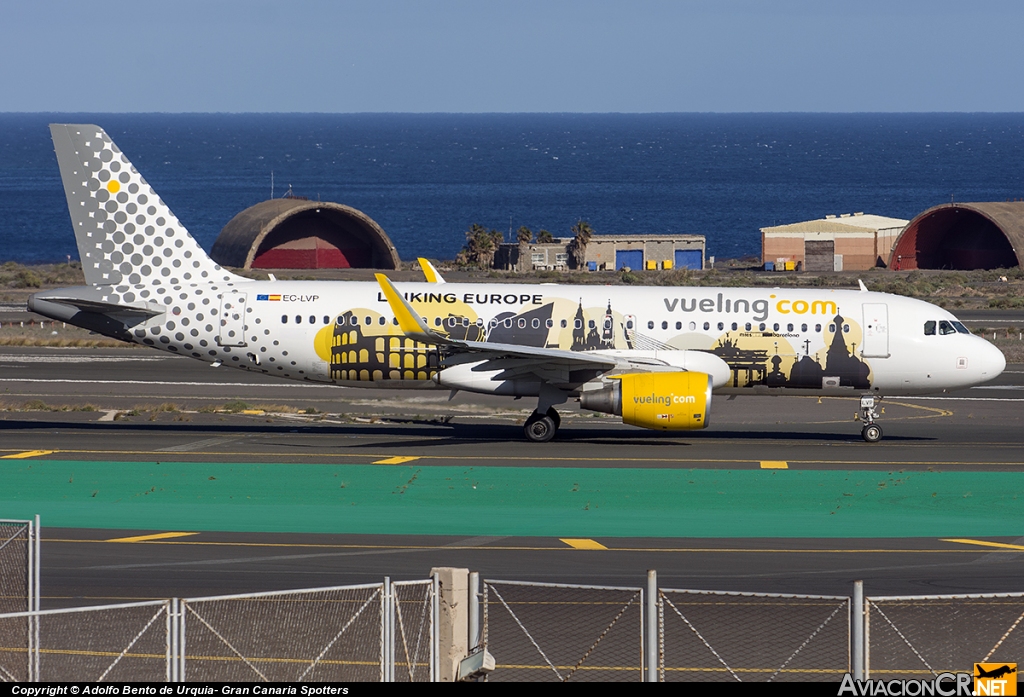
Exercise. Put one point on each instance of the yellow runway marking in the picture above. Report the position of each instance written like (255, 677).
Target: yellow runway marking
(985, 543)
(774, 465)
(517, 458)
(523, 548)
(582, 543)
(156, 536)
(397, 460)
(27, 453)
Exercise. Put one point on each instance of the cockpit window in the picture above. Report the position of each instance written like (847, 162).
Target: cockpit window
(946, 327)
(961, 328)
(929, 328)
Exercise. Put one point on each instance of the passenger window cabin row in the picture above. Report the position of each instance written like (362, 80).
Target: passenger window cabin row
(748, 326)
(521, 322)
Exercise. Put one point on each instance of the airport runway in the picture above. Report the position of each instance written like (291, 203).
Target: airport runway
(932, 508)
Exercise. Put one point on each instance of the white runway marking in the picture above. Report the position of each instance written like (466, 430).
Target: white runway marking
(199, 444)
(81, 359)
(963, 399)
(164, 382)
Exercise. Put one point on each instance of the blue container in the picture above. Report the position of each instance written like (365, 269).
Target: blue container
(769, 266)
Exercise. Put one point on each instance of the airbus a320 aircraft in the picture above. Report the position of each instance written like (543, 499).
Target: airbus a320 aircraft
(653, 356)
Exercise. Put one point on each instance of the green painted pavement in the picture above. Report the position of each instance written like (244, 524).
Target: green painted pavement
(513, 501)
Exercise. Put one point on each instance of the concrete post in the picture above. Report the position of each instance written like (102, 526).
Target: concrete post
(857, 630)
(474, 609)
(453, 620)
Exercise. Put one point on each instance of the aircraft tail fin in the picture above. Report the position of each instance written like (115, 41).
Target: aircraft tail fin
(125, 233)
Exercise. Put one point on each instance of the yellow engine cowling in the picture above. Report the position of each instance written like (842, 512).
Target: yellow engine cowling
(663, 401)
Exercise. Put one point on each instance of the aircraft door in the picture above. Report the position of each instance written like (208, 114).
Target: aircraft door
(876, 331)
(232, 319)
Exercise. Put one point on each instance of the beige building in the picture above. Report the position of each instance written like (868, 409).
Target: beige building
(607, 253)
(852, 241)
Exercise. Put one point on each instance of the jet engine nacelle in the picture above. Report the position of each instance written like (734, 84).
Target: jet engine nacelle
(665, 401)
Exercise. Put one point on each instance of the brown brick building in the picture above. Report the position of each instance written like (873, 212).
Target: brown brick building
(852, 241)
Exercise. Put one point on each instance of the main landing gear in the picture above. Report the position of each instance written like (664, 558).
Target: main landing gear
(540, 428)
(872, 432)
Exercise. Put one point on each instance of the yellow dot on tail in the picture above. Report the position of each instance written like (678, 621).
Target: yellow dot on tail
(113, 186)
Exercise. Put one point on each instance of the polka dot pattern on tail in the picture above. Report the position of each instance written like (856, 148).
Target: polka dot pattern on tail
(125, 233)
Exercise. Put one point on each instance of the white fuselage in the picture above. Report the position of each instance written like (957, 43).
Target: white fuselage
(821, 341)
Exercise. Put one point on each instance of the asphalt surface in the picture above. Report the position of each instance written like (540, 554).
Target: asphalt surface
(145, 407)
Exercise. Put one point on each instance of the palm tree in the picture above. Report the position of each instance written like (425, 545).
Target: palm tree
(480, 246)
(545, 237)
(582, 232)
(523, 236)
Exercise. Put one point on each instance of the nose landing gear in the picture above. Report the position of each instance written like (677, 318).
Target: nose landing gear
(872, 432)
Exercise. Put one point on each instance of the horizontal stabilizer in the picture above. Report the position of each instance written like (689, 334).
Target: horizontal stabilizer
(45, 305)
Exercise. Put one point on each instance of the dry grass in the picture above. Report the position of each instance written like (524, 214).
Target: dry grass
(14, 275)
(63, 343)
(239, 407)
(40, 405)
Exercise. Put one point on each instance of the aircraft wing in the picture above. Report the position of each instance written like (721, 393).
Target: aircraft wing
(515, 359)
(558, 367)
(429, 272)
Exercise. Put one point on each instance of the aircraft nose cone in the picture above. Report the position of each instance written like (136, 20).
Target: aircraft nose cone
(992, 362)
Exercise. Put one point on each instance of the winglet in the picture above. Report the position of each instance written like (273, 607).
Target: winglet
(863, 288)
(429, 272)
(411, 324)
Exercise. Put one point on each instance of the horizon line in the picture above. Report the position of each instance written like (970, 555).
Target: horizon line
(508, 113)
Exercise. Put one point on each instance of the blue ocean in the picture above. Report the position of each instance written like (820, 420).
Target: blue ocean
(426, 177)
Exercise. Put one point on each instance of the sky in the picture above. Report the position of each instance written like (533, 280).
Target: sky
(511, 56)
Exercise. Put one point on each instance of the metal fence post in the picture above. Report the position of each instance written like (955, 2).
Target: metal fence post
(474, 609)
(35, 569)
(387, 631)
(172, 643)
(182, 635)
(435, 621)
(857, 630)
(29, 604)
(36, 587)
(651, 635)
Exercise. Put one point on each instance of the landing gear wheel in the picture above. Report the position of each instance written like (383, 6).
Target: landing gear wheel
(872, 433)
(540, 428)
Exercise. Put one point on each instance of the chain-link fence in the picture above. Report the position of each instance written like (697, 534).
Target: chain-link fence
(555, 632)
(19, 592)
(412, 624)
(17, 556)
(109, 643)
(312, 635)
(746, 637)
(922, 636)
(534, 631)
(320, 634)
